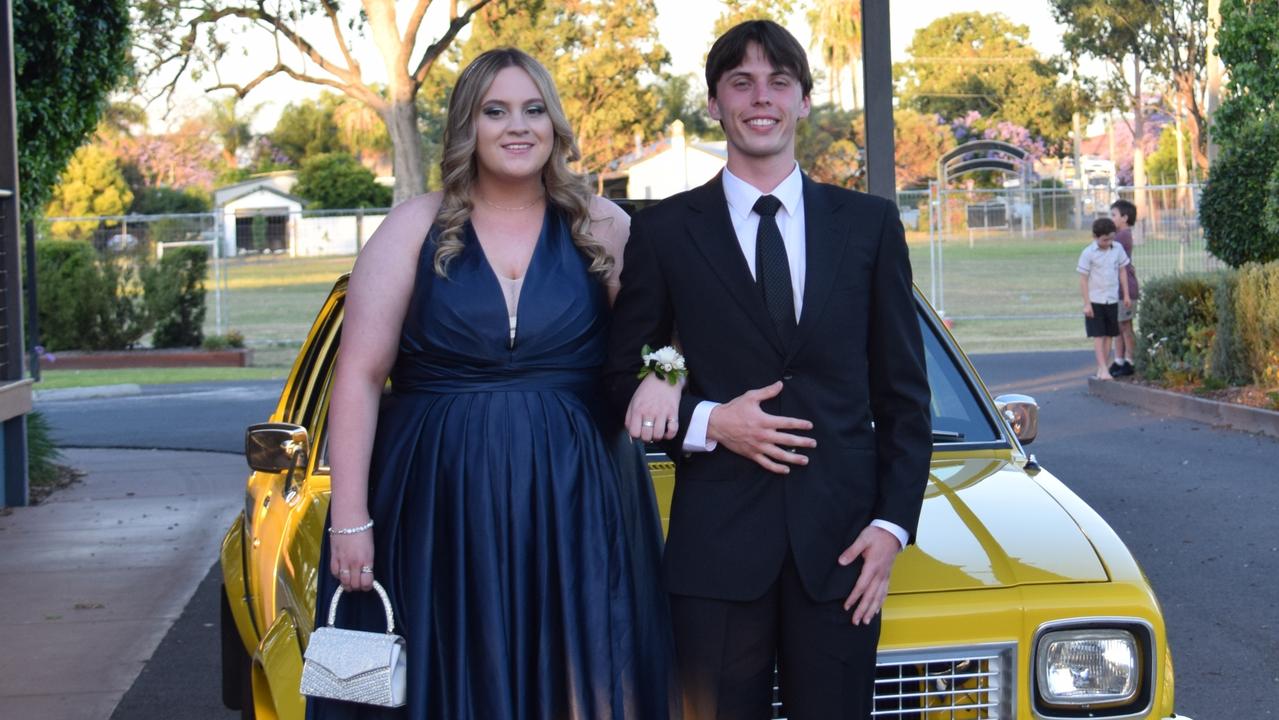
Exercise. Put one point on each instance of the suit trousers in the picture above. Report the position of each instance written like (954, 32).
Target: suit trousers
(726, 652)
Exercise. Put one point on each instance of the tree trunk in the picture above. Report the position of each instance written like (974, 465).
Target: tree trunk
(406, 161)
(1183, 175)
(1214, 75)
(1138, 152)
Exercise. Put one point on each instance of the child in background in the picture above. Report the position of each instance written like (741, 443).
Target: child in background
(1124, 214)
(1103, 283)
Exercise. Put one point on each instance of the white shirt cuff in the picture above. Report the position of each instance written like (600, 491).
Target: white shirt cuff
(897, 531)
(695, 439)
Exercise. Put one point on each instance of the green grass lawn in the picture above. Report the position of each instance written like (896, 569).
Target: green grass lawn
(1004, 291)
(55, 379)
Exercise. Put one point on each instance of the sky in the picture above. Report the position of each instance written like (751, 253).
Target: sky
(684, 27)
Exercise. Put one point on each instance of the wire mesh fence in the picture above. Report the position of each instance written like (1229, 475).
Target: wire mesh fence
(999, 262)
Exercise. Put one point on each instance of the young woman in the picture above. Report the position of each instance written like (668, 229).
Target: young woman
(514, 525)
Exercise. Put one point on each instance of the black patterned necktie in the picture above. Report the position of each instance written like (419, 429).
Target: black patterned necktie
(772, 270)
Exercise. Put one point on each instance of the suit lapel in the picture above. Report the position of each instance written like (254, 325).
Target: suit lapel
(712, 233)
(824, 248)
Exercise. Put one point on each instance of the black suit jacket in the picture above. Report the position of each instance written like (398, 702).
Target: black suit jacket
(856, 355)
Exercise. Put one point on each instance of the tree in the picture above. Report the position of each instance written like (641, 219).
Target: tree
(837, 32)
(596, 51)
(337, 180)
(68, 54)
(306, 128)
(92, 185)
(186, 157)
(1181, 27)
(919, 140)
(677, 100)
(981, 62)
(1121, 34)
(829, 144)
(1248, 44)
(189, 37)
(1233, 207)
(231, 125)
(739, 11)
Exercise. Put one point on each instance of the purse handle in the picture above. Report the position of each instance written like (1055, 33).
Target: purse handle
(386, 605)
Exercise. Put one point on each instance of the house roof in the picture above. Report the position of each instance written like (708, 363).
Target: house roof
(247, 191)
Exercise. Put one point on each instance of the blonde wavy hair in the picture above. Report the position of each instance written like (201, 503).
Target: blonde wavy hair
(565, 189)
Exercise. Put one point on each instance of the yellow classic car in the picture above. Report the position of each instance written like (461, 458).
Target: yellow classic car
(1016, 601)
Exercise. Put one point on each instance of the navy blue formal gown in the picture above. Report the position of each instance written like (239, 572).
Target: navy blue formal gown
(516, 528)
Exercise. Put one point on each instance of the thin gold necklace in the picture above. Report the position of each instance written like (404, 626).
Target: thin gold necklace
(506, 208)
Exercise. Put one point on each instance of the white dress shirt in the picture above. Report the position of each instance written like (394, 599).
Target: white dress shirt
(741, 197)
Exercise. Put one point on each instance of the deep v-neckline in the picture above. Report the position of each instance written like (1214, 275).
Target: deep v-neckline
(495, 280)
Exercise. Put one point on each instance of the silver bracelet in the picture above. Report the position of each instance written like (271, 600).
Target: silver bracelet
(352, 530)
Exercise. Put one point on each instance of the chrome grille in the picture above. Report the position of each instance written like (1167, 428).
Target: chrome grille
(966, 683)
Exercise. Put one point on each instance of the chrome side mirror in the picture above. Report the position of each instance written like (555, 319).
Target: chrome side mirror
(1022, 414)
(277, 447)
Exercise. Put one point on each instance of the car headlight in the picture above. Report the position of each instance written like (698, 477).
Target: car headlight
(1088, 667)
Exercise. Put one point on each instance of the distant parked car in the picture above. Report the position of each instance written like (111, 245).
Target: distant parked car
(1017, 600)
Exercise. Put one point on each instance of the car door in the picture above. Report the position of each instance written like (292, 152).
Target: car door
(278, 503)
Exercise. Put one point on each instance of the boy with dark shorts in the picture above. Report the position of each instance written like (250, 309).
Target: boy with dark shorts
(1124, 213)
(1103, 282)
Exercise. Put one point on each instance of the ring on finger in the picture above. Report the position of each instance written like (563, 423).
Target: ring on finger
(648, 422)
(344, 571)
(366, 570)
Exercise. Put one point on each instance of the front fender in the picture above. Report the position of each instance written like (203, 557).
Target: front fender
(237, 592)
(278, 672)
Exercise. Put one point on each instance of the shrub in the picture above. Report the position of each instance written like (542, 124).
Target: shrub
(1233, 206)
(232, 339)
(1228, 365)
(86, 302)
(1257, 311)
(163, 200)
(175, 297)
(1177, 322)
(42, 454)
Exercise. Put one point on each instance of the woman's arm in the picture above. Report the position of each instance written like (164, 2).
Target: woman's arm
(376, 301)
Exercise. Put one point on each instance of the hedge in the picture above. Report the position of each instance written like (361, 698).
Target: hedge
(1256, 307)
(1233, 207)
(1177, 320)
(86, 302)
(175, 297)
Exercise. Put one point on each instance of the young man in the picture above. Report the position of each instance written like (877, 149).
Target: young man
(1101, 279)
(1124, 214)
(804, 432)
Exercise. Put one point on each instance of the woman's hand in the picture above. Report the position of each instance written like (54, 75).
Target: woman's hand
(351, 559)
(654, 410)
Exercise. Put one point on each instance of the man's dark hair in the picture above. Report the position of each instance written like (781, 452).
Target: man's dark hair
(1103, 226)
(779, 46)
(1127, 209)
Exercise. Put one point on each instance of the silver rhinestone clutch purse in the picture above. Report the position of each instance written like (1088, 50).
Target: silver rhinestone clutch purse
(354, 665)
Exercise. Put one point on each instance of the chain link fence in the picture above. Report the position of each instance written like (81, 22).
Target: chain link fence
(1000, 263)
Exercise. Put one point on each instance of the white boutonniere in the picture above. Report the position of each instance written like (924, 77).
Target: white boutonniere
(667, 364)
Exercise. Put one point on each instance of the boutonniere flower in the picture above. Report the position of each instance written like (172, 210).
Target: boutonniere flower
(666, 363)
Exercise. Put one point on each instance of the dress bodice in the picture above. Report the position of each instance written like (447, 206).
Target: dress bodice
(456, 333)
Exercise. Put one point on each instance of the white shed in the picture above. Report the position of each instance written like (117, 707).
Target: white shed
(261, 219)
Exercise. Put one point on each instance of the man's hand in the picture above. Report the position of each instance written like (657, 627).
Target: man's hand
(878, 549)
(743, 427)
(654, 410)
(1088, 310)
(1128, 303)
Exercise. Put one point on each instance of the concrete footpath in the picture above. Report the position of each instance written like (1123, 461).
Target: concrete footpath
(95, 576)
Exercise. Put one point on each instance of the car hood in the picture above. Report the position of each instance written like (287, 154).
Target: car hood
(986, 524)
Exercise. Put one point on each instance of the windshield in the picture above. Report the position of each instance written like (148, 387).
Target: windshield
(957, 412)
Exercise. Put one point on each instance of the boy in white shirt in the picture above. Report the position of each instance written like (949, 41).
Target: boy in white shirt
(1103, 285)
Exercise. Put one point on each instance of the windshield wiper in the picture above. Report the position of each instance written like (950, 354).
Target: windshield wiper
(947, 436)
